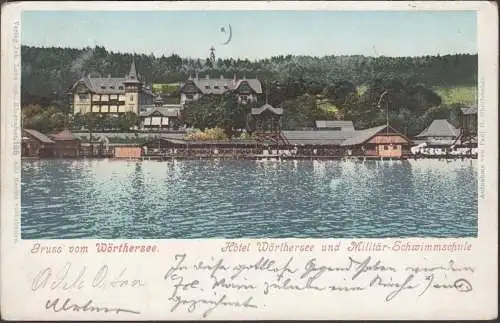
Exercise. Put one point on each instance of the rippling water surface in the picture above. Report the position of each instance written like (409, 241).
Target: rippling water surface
(243, 199)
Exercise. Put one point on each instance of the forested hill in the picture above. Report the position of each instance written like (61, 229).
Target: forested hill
(48, 73)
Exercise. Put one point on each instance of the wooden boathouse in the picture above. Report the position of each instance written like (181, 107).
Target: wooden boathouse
(66, 145)
(36, 144)
(382, 142)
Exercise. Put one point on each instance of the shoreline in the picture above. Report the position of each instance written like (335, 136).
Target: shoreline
(259, 157)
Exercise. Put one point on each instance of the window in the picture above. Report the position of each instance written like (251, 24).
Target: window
(84, 96)
(131, 98)
(120, 87)
(189, 96)
(216, 87)
(386, 147)
(226, 87)
(207, 87)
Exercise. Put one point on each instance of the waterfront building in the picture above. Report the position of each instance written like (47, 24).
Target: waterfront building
(59, 145)
(247, 90)
(382, 141)
(325, 140)
(113, 95)
(440, 133)
(36, 144)
(468, 127)
(65, 145)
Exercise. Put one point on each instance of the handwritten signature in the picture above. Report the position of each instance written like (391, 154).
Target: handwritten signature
(69, 278)
(88, 306)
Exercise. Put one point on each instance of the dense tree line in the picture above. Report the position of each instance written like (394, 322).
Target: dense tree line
(48, 73)
(366, 90)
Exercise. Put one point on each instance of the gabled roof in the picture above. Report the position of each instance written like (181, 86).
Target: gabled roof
(221, 85)
(439, 128)
(361, 136)
(112, 85)
(103, 85)
(39, 136)
(164, 111)
(108, 85)
(254, 84)
(257, 111)
(469, 110)
(64, 135)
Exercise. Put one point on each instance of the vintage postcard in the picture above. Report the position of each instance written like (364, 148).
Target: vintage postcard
(249, 160)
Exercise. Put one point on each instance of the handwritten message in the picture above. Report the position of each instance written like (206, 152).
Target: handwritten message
(255, 282)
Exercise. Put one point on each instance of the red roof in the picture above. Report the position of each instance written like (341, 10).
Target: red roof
(63, 135)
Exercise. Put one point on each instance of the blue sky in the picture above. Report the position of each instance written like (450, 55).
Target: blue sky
(257, 34)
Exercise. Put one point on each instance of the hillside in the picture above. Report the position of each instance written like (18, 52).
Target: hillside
(466, 95)
(48, 73)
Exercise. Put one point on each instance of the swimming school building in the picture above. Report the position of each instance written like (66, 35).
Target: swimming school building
(335, 139)
(329, 140)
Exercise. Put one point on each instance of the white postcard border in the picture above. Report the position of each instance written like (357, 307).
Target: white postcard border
(19, 266)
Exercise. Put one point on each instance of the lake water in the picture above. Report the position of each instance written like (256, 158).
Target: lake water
(245, 199)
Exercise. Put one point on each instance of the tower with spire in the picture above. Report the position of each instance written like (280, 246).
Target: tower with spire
(132, 89)
(212, 56)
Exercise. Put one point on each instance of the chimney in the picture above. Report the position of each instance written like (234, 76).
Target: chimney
(221, 77)
(196, 74)
(207, 77)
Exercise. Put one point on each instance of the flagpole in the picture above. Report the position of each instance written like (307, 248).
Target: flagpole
(386, 110)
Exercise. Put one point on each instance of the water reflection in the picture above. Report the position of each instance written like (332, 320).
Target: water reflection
(234, 199)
